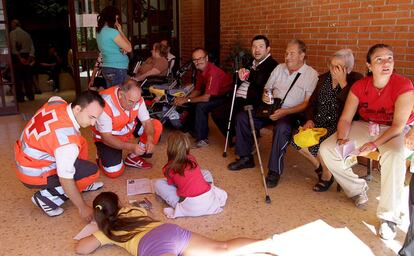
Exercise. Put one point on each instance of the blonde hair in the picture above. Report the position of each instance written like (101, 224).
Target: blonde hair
(162, 49)
(178, 149)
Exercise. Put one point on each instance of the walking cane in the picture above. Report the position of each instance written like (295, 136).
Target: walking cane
(232, 106)
(249, 108)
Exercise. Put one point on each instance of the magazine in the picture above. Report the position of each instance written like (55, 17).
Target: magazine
(139, 186)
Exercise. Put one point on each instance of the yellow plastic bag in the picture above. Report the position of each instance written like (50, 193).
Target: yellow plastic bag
(309, 137)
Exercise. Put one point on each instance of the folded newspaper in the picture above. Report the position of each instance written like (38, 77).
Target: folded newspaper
(139, 186)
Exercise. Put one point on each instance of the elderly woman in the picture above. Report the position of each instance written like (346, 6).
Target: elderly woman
(384, 101)
(156, 65)
(114, 45)
(325, 107)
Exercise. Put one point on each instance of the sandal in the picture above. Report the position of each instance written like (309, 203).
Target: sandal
(319, 172)
(323, 185)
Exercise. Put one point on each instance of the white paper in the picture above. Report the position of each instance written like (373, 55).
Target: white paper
(319, 238)
(88, 230)
(90, 20)
(139, 186)
(347, 149)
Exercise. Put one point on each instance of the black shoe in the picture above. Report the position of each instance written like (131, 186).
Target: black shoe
(146, 155)
(323, 185)
(242, 163)
(272, 179)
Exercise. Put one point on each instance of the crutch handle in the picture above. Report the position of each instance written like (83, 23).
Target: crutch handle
(248, 107)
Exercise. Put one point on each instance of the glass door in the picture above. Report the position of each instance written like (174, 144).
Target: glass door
(8, 103)
(83, 21)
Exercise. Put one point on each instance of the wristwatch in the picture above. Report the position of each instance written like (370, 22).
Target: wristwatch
(188, 100)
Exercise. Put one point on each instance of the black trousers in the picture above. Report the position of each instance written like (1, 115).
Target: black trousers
(24, 79)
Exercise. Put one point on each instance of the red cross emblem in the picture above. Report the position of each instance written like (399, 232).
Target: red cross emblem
(39, 125)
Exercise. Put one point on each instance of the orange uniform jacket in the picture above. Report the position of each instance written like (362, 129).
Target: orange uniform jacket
(50, 128)
(122, 124)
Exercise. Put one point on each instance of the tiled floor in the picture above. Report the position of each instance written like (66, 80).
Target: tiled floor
(25, 230)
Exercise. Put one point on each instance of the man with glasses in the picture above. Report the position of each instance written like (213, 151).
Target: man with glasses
(114, 129)
(210, 91)
(283, 119)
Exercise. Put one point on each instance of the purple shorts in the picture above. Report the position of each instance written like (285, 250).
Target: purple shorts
(167, 238)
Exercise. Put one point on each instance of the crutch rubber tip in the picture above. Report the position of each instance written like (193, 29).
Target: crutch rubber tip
(224, 154)
(268, 201)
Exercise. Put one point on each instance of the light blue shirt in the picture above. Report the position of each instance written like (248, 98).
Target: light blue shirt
(111, 53)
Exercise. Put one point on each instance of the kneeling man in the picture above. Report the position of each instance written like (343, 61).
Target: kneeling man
(114, 129)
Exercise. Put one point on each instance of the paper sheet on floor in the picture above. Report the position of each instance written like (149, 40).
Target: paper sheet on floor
(88, 230)
(318, 238)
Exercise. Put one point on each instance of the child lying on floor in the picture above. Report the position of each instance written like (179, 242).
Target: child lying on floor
(131, 229)
(187, 188)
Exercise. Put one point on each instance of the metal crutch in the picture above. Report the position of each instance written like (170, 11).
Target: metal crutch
(249, 109)
(231, 109)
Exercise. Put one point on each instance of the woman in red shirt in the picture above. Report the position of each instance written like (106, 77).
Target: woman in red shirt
(184, 177)
(384, 101)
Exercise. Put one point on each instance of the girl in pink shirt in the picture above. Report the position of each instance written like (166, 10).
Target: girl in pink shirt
(184, 177)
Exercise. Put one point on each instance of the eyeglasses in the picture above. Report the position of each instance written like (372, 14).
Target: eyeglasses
(199, 59)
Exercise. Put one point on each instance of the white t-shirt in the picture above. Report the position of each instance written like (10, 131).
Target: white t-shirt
(280, 81)
(104, 121)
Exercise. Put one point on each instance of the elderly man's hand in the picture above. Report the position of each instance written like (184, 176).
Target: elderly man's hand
(409, 139)
(278, 114)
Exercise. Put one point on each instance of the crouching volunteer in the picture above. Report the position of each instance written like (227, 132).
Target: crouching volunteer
(114, 129)
(52, 155)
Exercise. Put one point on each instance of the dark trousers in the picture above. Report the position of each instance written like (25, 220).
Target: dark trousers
(282, 133)
(408, 247)
(221, 115)
(86, 173)
(202, 109)
(24, 79)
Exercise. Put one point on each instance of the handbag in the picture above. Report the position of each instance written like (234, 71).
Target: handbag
(264, 110)
(306, 138)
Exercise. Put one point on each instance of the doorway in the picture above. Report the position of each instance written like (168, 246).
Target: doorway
(212, 29)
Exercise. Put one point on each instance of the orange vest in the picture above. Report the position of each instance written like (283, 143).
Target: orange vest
(123, 124)
(50, 128)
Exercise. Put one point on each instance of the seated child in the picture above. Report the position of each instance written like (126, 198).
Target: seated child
(187, 188)
(131, 229)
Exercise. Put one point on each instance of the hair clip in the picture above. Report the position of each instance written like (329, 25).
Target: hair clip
(98, 207)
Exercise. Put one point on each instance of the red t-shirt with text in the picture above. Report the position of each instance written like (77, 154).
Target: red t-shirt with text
(377, 105)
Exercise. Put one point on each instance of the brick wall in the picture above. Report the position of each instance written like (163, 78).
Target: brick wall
(191, 27)
(325, 25)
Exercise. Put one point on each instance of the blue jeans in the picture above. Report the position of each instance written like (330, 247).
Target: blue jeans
(201, 116)
(114, 76)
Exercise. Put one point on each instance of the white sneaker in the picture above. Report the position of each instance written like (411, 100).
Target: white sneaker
(387, 230)
(361, 199)
(94, 186)
(200, 144)
(47, 209)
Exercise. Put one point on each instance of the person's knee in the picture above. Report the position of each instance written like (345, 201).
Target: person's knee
(113, 171)
(158, 128)
(158, 184)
